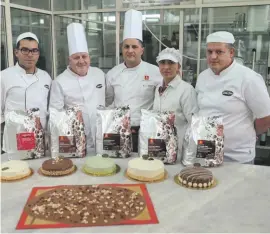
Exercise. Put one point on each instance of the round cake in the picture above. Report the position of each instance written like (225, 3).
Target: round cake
(146, 170)
(100, 166)
(14, 170)
(57, 167)
(196, 177)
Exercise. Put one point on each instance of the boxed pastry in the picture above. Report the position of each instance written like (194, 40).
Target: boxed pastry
(157, 137)
(24, 134)
(204, 141)
(67, 133)
(113, 135)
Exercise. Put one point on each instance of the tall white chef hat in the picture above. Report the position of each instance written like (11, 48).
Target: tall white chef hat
(221, 36)
(170, 54)
(25, 35)
(76, 38)
(133, 25)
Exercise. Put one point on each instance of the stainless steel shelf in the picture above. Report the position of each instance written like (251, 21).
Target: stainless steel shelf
(267, 147)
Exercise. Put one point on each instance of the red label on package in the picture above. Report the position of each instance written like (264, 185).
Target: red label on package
(25, 141)
(67, 144)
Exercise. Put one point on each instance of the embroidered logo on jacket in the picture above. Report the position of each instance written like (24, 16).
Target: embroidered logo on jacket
(99, 86)
(227, 93)
(47, 86)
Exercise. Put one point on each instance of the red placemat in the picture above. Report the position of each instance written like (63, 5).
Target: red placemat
(147, 215)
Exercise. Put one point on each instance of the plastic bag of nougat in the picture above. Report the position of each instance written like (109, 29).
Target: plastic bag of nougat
(67, 133)
(24, 134)
(204, 141)
(157, 137)
(113, 135)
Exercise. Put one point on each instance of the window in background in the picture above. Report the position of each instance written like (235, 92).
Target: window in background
(100, 33)
(164, 24)
(41, 4)
(39, 24)
(190, 45)
(66, 5)
(249, 24)
(61, 45)
(4, 60)
(98, 4)
(147, 3)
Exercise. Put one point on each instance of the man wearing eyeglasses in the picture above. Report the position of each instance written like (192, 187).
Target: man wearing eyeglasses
(236, 93)
(24, 86)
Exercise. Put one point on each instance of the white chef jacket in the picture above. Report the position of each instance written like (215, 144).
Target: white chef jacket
(21, 91)
(239, 95)
(134, 87)
(87, 92)
(179, 97)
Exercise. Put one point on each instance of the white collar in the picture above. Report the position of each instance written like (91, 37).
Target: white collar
(225, 71)
(22, 71)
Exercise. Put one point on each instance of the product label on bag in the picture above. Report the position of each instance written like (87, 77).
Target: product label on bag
(111, 141)
(156, 148)
(26, 141)
(206, 149)
(67, 144)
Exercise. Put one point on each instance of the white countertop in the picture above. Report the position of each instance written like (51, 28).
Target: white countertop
(239, 203)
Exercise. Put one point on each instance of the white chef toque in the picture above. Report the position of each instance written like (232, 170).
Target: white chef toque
(221, 36)
(133, 25)
(76, 38)
(25, 35)
(170, 54)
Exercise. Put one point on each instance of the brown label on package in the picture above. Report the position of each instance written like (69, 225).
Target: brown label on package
(111, 141)
(206, 149)
(67, 144)
(156, 148)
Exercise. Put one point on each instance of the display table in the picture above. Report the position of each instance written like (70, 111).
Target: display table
(239, 203)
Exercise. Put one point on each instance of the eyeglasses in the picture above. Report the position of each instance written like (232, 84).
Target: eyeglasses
(26, 51)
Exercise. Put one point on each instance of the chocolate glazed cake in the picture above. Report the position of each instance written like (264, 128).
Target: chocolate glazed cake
(57, 167)
(196, 177)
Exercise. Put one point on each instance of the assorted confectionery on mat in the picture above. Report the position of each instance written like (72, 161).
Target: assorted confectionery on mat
(87, 205)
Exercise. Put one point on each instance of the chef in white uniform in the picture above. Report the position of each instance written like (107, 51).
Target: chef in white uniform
(175, 94)
(24, 86)
(80, 84)
(132, 82)
(236, 93)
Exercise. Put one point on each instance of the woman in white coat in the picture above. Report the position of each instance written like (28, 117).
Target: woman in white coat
(175, 94)
(80, 84)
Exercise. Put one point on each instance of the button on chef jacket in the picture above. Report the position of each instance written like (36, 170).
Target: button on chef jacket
(134, 87)
(87, 92)
(19, 88)
(179, 97)
(239, 95)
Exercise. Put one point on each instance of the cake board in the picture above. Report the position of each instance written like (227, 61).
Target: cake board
(118, 169)
(20, 179)
(154, 181)
(40, 173)
(176, 180)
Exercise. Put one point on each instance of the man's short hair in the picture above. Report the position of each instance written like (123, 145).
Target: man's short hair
(27, 38)
(230, 46)
(141, 43)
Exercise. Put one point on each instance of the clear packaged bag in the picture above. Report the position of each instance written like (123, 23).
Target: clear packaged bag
(24, 134)
(204, 141)
(157, 137)
(113, 135)
(67, 133)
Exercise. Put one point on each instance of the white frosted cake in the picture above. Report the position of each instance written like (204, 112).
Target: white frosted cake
(14, 170)
(98, 165)
(146, 169)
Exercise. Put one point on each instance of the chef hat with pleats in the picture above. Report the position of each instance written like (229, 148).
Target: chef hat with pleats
(221, 36)
(76, 38)
(170, 54)
(133, 25)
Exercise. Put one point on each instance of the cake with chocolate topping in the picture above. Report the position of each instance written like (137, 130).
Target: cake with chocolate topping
(196, 177)
(57, 167)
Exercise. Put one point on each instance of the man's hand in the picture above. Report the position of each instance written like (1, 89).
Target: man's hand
(262, 125)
